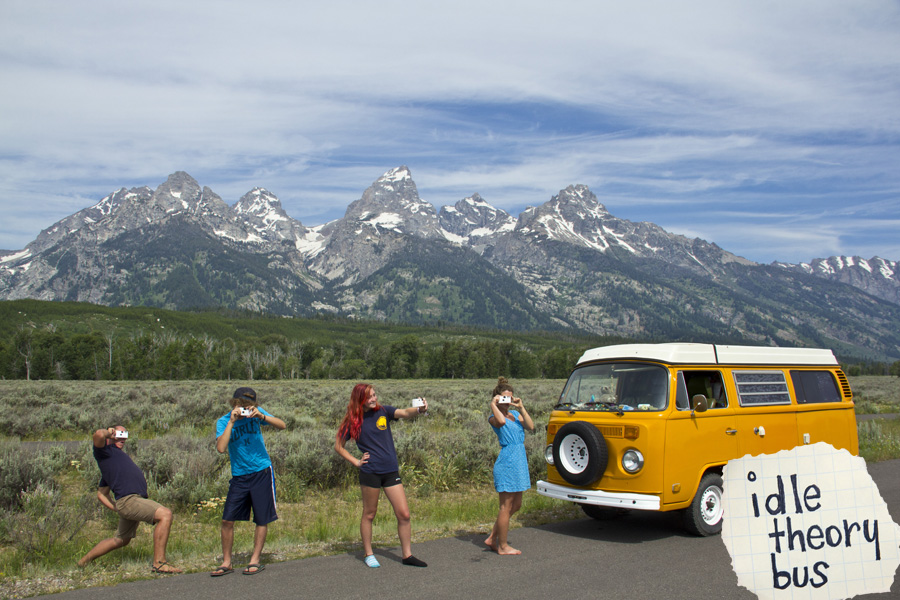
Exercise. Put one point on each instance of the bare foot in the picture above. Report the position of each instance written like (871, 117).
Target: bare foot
(508, 551)
(490, 543)
(83, 561)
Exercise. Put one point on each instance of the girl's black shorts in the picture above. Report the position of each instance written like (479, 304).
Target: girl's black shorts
(379, 480)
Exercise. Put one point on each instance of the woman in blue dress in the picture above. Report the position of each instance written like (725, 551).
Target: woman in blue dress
(509, 419)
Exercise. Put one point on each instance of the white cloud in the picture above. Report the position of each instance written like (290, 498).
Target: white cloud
(664, 110)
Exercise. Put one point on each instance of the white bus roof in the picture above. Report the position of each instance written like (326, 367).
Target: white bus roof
(684, 353)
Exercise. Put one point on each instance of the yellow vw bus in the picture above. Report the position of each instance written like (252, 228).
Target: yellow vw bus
(650, 426)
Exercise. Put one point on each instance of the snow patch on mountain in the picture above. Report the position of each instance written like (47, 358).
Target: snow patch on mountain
(312, 243)
(15, 256)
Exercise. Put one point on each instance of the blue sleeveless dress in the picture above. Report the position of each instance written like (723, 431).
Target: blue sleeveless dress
(511, 468)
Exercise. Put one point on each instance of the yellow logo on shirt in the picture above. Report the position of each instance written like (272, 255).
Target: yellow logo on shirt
(381, 423)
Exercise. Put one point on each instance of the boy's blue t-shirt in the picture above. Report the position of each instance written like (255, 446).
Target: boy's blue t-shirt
(376, 439)
(245, 448)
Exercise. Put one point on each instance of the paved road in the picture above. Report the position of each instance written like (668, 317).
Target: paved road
(644, 555)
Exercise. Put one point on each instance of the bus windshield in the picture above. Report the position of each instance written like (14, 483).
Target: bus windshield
(616, 387)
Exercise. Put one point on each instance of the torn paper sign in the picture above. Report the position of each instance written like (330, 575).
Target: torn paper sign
(808, 523)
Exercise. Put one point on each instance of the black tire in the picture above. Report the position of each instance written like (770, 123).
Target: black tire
(579, 453)
(603, 513)
(704, 516)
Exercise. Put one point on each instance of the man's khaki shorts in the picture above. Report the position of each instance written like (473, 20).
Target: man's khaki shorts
(132, 510)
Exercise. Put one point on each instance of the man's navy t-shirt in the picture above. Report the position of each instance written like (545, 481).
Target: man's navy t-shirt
(119, 472)
(376, 439)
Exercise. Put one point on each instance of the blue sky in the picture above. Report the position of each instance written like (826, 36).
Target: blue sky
(769, 128)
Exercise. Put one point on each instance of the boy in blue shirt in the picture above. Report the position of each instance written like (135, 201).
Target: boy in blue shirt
(252, 482)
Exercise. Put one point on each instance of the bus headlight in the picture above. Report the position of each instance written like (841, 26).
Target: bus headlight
(548, 454)
(632, 461)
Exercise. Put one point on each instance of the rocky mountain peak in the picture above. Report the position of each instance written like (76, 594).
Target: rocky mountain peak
(397, 174)
(259, 202)
(262, 210)
(574, 216)
(578, 203)
(179, 189)
(473, 218)
(182, 194)
(392, 203)
(94, 218)
(876, 276)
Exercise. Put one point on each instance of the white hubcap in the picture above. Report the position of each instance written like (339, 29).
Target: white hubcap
(711, 505)
(573, 454)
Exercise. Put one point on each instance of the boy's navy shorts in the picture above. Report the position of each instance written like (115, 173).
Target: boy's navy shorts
(256, 491)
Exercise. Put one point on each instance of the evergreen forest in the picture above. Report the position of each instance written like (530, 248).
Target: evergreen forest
(79, 341)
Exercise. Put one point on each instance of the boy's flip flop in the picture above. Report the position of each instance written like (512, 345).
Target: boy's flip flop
(221, 571)
(256, 569)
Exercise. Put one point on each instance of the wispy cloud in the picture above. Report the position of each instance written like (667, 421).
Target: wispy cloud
(783, 114)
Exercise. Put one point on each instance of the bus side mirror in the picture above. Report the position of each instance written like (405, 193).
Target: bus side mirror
(699, 403)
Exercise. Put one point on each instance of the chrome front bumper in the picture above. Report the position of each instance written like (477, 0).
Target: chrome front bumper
(598, 497)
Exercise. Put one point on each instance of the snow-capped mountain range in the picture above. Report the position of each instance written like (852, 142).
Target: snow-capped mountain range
(567, 263)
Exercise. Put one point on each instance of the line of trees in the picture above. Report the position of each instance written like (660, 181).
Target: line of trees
(47, 353)
(873, 368)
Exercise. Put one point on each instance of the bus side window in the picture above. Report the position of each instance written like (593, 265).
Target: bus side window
(709, 384)
(681, 395)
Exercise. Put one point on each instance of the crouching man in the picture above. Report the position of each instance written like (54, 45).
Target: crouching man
(126, 481)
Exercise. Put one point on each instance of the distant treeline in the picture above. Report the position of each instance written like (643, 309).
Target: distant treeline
(76, 341)
(42, 354)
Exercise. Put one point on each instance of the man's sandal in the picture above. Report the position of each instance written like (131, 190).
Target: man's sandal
(221, 571)
(159, 569)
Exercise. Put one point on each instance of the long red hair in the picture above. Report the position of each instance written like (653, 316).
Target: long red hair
(353, 418)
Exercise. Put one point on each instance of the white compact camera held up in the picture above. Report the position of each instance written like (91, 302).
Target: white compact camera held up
(246, 412)
(419, 403)
(121, 435)
(505, 400)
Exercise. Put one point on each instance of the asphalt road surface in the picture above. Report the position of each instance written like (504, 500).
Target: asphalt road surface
(643, 555)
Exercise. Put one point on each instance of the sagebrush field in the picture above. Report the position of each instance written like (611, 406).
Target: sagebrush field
(50, 514)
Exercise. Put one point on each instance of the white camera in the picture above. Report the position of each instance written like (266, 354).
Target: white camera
(505, 400)
(418, 402)
(121, 435)
(246, 412)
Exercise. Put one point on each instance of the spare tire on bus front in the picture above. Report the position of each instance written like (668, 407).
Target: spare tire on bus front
(579, 453)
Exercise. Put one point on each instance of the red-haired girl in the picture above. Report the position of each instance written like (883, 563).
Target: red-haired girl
(369, 424)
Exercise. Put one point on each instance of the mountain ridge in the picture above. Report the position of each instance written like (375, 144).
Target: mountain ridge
(567, 263)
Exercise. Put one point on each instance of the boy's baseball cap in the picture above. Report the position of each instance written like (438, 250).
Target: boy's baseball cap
(245, 393)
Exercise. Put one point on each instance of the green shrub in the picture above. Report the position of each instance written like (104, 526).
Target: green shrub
(306, 458)
(23, 470)
(42, 522)
(181, 471)
(879, 440)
